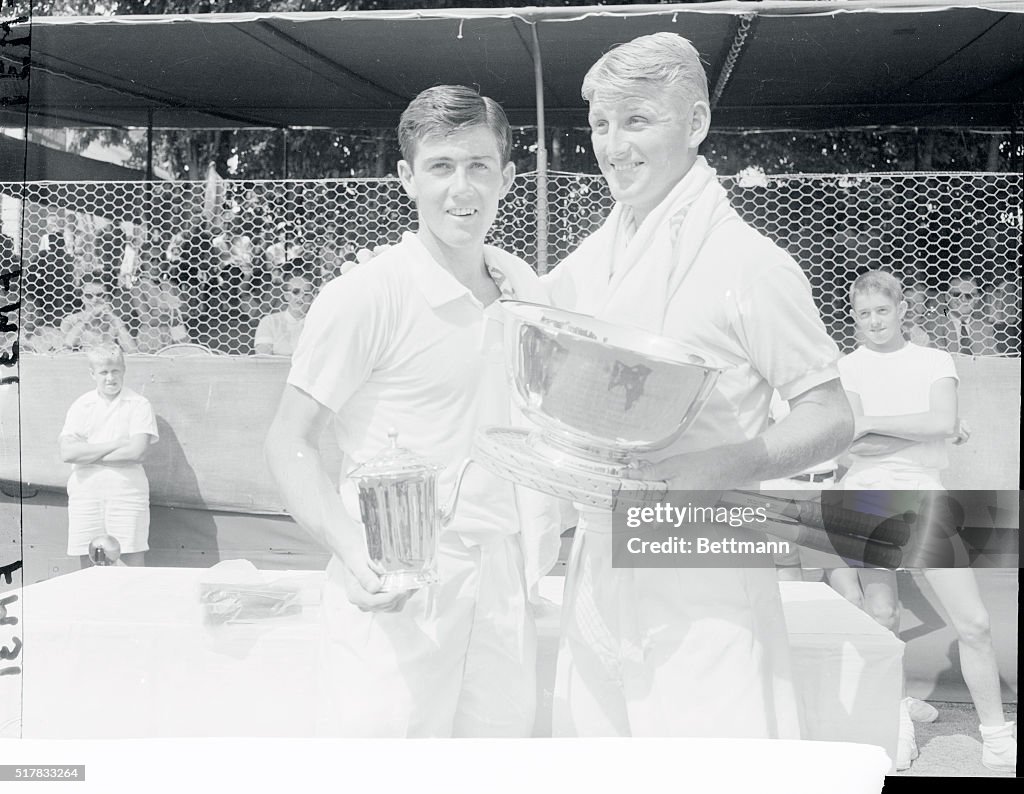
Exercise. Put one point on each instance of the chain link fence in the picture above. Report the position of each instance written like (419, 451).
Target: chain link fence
(202, 262)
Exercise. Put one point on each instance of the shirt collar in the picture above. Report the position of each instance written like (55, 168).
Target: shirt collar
(438, 286)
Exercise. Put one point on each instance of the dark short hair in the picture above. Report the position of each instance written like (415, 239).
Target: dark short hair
(439, 111)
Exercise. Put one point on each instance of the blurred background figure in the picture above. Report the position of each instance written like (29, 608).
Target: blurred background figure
(965, 329)
(278, 333)
(921, 320)
(1005, 317)
(96, 323)
(157, 303)
(34, 336)
(335, 258)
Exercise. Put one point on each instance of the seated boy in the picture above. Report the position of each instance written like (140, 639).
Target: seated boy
(904, 399)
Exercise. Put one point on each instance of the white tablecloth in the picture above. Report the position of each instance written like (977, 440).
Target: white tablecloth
(124, 652)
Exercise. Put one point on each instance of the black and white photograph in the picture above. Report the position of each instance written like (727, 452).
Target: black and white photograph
(605, 395)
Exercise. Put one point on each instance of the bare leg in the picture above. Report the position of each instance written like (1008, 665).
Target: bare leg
(135, 559)
(957, 591)
(881, 600)
(846, 582)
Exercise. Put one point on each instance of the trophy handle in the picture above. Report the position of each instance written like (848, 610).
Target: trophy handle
(448, 511)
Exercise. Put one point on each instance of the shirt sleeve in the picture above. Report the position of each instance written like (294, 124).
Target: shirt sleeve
(848, 373)
(344, 335)
(143, 420)
(943, 366)
(782, 331)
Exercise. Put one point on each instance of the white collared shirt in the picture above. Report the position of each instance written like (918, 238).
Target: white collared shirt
(400, 343)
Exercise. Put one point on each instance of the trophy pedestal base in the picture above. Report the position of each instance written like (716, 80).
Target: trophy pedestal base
(517, 455)
(397, 581)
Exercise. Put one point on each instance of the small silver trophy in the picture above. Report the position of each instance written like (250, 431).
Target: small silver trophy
(399, 506)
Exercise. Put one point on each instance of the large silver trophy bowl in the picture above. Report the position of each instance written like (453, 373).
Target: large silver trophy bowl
(599, 395)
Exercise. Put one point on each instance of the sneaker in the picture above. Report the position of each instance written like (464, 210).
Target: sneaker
(999, 748)
(920, 711)
(906, 744)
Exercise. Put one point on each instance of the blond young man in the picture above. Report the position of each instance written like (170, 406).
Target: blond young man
(672, 652)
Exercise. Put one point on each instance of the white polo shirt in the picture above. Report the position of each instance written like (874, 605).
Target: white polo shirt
(96, 421)
(401, 343)
(897, 384)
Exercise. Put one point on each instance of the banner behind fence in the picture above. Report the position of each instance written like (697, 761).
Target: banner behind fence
(209, 259)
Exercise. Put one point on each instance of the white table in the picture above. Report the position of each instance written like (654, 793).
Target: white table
(123, 652)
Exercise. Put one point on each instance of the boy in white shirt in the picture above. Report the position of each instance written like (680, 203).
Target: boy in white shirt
(904, 399)
(105, 437)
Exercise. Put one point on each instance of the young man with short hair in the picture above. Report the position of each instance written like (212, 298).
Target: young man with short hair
(105, 438)
(412, 341)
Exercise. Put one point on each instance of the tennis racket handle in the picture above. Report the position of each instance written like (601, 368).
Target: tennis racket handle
(841, 520)
(868, 552)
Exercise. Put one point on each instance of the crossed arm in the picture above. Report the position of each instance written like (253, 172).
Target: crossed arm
(130, 449)
(881, 435)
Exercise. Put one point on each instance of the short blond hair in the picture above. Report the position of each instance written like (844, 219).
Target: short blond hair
(663, 60)
(878, 281)
(101, 354)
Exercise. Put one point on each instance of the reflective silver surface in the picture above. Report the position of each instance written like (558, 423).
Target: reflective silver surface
(600, 393)
(398, 505)
(402, 522)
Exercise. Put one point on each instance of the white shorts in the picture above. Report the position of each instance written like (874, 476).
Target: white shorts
(108, 500)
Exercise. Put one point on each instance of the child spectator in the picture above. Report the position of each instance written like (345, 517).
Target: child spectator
(904, 399)
(105, 437)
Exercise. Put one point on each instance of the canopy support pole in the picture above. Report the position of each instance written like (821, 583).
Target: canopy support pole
(542, 157)
(149, 145)
(284, 153)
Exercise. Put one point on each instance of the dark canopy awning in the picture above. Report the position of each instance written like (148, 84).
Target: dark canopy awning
(794, 64)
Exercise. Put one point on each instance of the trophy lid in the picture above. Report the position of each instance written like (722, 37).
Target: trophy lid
(394, 463)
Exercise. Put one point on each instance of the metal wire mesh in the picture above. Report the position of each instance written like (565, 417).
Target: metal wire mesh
(182, 264)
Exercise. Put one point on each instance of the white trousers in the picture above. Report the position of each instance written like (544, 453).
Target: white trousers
(670, 652)
(108, 500)
(458, 660)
